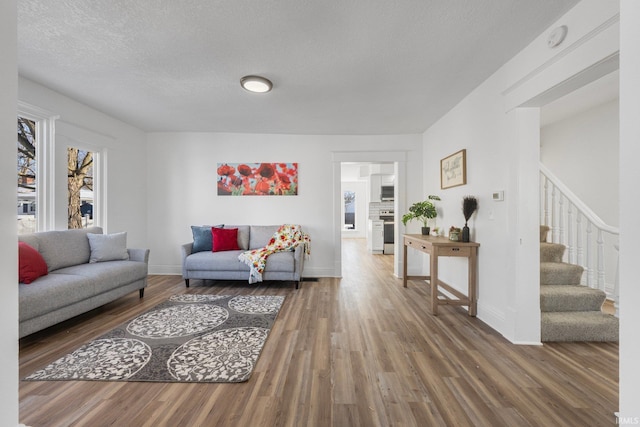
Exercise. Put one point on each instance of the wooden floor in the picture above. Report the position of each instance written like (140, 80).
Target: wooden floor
(356, 351)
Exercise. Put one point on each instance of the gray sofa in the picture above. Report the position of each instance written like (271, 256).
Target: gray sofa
(286, 266)
(74, 285)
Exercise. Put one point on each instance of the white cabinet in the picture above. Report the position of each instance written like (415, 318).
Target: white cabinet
(387, 180)
(377, 236)
(376, 181)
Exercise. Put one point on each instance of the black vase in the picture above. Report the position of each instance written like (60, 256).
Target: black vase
(426, 231)
(465, 233)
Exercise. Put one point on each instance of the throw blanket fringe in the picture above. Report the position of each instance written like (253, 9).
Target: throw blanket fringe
(287, 238)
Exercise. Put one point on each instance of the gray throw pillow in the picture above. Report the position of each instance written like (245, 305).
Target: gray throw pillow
(202, 237)
(108, 247)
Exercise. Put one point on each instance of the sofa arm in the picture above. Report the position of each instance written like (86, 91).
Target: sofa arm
(298, 262)
(141, 255)
(187, 249)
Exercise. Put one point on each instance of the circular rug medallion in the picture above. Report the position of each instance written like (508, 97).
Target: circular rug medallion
(196, 298)
(178, 321)
(250, 304)
(227, 355)
(102, 359)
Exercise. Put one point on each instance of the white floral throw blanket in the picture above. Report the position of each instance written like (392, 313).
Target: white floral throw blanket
(286, 238)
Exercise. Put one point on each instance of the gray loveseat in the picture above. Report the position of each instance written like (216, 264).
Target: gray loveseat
(74, 285)
(205, 264)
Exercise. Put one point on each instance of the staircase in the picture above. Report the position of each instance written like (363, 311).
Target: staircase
(570, 311)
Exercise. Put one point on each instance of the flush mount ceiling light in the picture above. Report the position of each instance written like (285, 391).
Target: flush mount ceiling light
(256, 84)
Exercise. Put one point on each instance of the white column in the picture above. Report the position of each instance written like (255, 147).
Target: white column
(8, 220)
(629, 224)
(523, 297)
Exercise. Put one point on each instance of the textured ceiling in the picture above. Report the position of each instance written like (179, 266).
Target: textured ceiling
(338, 67)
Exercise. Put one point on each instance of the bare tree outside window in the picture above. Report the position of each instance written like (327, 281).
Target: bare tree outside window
(80, 187)
(26, 176)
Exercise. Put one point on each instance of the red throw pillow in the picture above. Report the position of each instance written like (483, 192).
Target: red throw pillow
(225, 239)
(31, 265)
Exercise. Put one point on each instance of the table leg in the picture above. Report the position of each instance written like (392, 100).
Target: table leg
(473, 299)
(404, 265)
(433, 267)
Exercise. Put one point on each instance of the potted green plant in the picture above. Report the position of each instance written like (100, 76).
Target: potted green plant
(422, 211)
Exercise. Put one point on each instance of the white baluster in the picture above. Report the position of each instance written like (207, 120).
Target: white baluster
(579, 235)
(546, 200)
(571, 254)
(589, 257)
(554, 217)
(561, 220)
(600, 264)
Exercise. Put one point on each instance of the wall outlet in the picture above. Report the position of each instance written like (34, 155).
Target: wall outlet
(497, 196)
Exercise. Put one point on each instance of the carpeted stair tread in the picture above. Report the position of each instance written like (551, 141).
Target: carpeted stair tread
(560, 273)
(570, 298)
(579, 326)
(570, 311)
(544, 231)
(551, 252)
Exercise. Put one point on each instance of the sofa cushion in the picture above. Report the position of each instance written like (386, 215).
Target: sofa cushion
(261, 235)
(108, 247)
(64, 248)
(224, 239)
(109, 274)
(215, 261)
(31, 265)
(243, 235)
(51, 292)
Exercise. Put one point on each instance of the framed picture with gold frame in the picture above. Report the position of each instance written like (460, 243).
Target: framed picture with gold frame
(453, 170)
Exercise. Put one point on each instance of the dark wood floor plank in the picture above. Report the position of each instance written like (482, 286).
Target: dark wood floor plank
(356, 351)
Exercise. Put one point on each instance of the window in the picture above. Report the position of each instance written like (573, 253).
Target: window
(349, 210)
(40, 199)
(80, 187)
(27, 173)
(35, 163)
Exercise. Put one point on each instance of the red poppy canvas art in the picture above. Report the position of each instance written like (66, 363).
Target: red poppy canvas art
(257, 179)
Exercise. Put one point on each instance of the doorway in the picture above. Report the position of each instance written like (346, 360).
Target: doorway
(396, 160)
(368, 191)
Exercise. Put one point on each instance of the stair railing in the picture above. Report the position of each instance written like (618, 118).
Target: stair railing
(590, 242)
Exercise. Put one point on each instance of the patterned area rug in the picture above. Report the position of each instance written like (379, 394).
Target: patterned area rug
(189, 338)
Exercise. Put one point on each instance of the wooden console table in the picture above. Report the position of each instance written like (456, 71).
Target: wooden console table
(437, 247)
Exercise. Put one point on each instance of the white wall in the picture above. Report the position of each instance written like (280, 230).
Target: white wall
(182, 188)
(8, 238)
(124, 149)
(479, 125)
(583, 152)
(503, 153)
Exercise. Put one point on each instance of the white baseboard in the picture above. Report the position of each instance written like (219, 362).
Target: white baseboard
(165, 270)
(318, 272)
(176, 270)
(491, 316)
(537, 343)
